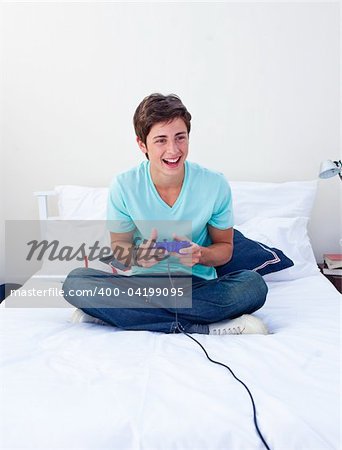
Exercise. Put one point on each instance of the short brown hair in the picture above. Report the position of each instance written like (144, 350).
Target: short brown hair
(158, 108)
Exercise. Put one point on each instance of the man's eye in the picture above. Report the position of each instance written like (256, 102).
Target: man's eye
(160, 141)
(181, 138)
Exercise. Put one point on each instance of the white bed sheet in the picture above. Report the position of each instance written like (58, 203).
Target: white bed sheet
(89, 386)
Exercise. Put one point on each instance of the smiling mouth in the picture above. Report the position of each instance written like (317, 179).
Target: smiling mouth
(172, 162)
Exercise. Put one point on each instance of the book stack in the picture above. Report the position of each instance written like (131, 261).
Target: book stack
(332, 264)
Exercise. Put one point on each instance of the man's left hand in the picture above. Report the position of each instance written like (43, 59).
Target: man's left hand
(188, 256)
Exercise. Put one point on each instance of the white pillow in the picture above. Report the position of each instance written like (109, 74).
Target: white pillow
(82, 203)
(288, 235)
(250, 199)
(290, 199)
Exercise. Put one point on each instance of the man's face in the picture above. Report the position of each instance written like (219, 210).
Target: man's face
(167, 146)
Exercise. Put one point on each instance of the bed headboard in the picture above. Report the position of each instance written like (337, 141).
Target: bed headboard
(43, 208)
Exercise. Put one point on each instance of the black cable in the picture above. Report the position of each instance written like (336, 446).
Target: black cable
(180, 328)
(230, 370)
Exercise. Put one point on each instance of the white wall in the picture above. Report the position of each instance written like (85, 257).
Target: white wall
(260, 79)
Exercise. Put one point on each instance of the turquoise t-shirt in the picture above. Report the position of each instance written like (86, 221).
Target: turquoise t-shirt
(205, 198)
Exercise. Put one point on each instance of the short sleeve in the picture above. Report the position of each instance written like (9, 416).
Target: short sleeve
(222, 216)
(118, 218)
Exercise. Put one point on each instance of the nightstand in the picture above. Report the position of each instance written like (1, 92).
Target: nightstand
(336, 280)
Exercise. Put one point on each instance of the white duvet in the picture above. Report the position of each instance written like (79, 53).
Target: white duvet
(86, 386)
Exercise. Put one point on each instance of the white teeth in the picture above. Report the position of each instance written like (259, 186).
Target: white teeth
(172, 160)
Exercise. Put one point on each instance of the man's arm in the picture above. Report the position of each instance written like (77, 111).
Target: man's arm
(221, 249)
(122, 245)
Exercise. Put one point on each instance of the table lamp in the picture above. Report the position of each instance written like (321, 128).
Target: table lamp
(330, 168)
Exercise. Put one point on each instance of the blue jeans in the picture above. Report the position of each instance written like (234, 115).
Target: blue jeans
(226, 297)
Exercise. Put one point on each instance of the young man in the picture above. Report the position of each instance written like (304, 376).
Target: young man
(167, 198)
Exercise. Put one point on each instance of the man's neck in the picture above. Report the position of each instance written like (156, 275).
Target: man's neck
(163, 182)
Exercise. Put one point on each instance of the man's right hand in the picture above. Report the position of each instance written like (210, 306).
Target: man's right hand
(146, 255)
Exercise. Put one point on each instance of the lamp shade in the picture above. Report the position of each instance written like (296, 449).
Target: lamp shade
(328, 169)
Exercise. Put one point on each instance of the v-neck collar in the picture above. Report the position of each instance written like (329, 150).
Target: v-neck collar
(181, 193)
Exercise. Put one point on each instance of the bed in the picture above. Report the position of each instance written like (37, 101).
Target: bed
(87, 386)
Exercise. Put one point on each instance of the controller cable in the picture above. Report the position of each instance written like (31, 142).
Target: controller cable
(181, 329)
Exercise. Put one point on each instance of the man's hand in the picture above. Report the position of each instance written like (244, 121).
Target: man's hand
(146, 255)
(188, 256)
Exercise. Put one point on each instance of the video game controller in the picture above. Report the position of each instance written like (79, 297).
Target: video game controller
(172, 246)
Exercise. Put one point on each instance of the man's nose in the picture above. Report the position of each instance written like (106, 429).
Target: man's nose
(173, 147)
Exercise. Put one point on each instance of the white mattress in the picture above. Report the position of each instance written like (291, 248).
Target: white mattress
(89, 386)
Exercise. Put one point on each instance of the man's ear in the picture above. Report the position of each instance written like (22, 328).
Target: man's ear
(142, 146)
